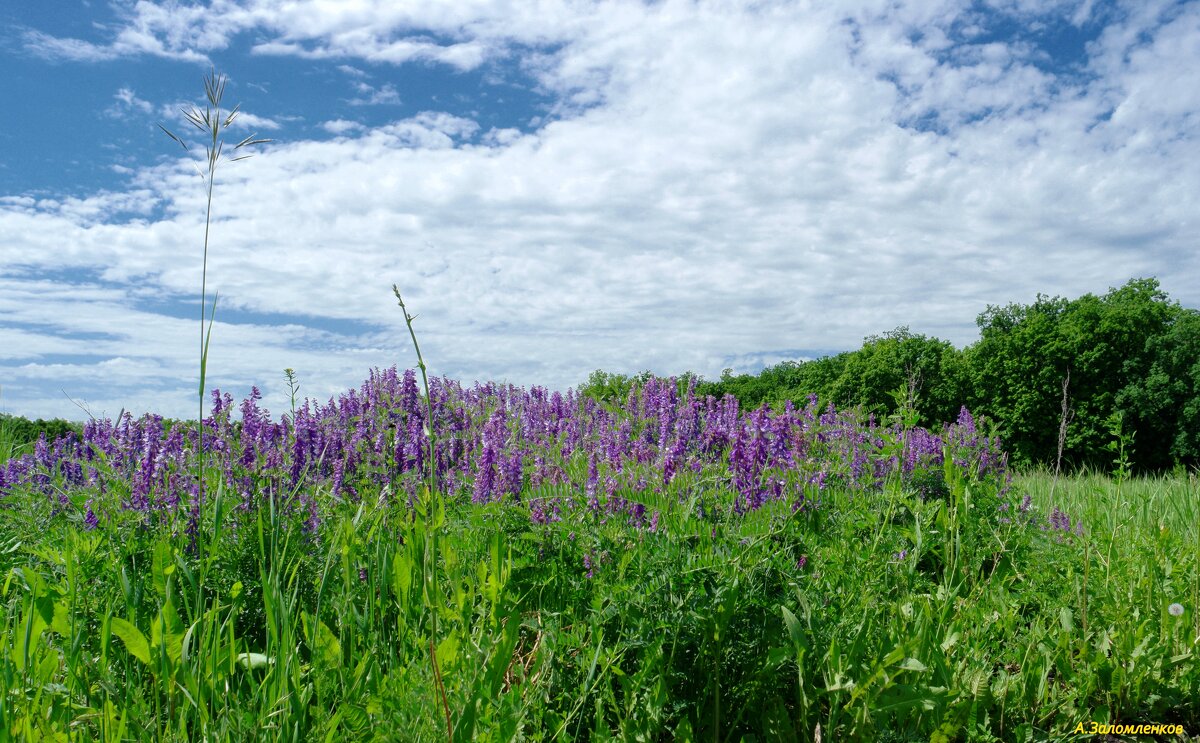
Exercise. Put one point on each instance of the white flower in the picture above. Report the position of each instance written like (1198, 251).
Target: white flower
(1175, 610)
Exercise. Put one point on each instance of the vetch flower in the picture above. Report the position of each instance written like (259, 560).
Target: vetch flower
(90, 522)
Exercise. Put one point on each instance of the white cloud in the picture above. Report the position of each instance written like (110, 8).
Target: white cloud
(371, 96)
(127, 104)
(715, 182)
(132, 41)
(342, 126)
(75, 50)
(246, 120)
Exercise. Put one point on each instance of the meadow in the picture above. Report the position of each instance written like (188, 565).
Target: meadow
(668, 568)
(423, 560)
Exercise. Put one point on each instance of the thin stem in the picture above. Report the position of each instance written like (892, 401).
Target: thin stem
(203, 346)
(429, 433)
(437, 677)
(432, 525)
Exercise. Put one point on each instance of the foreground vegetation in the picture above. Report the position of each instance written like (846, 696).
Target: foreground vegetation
(669, 567)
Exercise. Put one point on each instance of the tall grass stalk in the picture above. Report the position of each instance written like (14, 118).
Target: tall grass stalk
(433, 515)
(213, 124)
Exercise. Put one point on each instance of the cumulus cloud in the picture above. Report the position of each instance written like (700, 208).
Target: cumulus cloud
(713, 184)
(369, 95)
(342, 126)
(128, 104)
(246, 120)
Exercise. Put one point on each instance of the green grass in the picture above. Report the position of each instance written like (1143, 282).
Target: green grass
(19, 435)
(1142, 546)
(10, 445)
(877, 616)
(706, 629)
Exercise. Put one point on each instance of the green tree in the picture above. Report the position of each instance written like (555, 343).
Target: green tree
(1163, 403)
(774, 385)
(1096, 345)
(18, 435)
(930, 369)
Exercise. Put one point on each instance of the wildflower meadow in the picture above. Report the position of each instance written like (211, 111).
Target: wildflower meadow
(669, 567)
(419, 559)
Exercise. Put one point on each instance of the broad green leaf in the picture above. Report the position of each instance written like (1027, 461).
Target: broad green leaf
(1066, 620)
(402, 578)
(447, 650)
(28, 633)
(162, 567)
(135, 641)
(62, 619)
(44, 606)
(48, 667)
(167, 631)
(950, 641)
(795, 631)
(322, 642)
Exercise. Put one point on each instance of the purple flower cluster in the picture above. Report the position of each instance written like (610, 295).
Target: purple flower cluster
(544, 450)
(1060, 523)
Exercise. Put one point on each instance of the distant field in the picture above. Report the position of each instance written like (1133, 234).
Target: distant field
(665, 568)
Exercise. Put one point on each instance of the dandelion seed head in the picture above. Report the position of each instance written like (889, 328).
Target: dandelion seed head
(1175, 610)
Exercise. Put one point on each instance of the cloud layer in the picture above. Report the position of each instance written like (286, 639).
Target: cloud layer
(715, 183)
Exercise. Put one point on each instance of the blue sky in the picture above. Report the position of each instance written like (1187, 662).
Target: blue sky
(559, 187)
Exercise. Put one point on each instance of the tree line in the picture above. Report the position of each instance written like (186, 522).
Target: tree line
(18, 434)
(1062, 380)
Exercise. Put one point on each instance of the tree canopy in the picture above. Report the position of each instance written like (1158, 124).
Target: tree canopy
(1129, 358)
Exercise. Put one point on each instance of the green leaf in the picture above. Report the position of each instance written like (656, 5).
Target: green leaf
(950, 641)
(162, 567)
(135, 641)
(47, 668)
(322, 642)
(61, 623)
(28, 633)
(167, 631)
(795, 631)
(1066, 620)
(402, 578)
(447, 650)
(207, 338)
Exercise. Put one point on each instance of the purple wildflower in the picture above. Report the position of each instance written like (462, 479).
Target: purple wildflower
(90, 521)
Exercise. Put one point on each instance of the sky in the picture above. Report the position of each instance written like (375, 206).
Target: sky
(559, 187)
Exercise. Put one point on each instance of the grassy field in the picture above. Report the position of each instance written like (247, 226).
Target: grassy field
(492, 563)
(672, 568)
